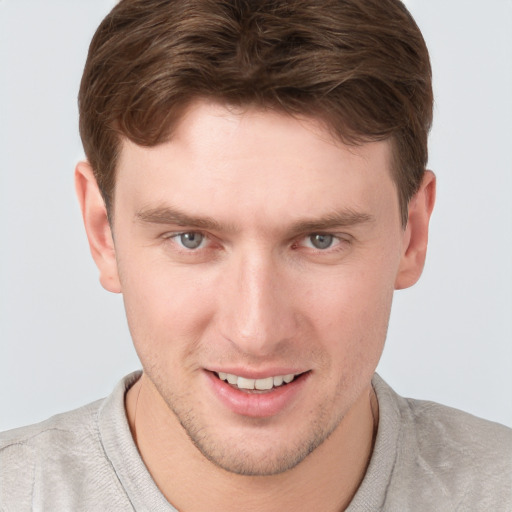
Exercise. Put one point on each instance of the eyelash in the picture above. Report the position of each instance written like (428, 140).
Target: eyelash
(341, 242)
(337, 240)
(175, 236)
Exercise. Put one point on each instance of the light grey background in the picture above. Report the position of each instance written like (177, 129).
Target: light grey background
(64, 340)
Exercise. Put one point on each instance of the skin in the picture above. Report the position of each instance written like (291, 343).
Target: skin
(256, 297)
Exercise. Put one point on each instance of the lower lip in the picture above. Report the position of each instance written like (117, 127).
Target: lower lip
(257, 405)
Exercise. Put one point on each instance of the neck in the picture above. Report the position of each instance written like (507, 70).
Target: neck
(326, 480)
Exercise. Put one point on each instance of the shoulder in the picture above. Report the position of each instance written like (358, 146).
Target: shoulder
(450, 437)
(61, 463)
(49, 437)
(56, 428)
(454, 421)
(448, 457)
(49, 452)
(470, 459)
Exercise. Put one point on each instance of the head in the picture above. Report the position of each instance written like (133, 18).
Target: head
(256, 189)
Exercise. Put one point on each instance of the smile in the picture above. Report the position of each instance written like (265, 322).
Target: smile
(257, 384)
(258, 397)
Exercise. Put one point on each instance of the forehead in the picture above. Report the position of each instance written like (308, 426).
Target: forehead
(234, 161)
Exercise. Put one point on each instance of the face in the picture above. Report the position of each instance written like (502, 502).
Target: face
(253, 249)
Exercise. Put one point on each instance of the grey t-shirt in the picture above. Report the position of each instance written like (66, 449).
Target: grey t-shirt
(427, 457)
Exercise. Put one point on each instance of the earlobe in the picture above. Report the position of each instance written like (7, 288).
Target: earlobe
(416, 233)
(97, 226)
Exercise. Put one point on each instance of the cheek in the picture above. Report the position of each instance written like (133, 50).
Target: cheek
(163, 304)
(350, 311)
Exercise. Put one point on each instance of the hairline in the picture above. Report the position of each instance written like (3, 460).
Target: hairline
(355, 141)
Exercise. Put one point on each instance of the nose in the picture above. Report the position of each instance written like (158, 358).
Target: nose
(256, 305)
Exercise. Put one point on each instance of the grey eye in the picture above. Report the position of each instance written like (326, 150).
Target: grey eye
(191, 240)
(319, 241)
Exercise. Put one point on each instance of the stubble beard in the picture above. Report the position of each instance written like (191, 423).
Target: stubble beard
(233, 456)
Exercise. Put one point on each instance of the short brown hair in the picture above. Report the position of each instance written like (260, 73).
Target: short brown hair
(360, 65)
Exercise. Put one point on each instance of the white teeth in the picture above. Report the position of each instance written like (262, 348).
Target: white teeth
(232, 379)
(245, 383)
(263, 384)
(259, 384)
(278, 380)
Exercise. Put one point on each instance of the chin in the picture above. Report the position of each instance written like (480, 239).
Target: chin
(253, 452)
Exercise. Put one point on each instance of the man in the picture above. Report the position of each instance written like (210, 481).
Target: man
(256, 189)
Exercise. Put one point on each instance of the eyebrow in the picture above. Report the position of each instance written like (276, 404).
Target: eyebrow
(339, 219)
(172, 216)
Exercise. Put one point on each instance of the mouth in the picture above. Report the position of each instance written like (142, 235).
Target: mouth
(262, 397)
(263, 385)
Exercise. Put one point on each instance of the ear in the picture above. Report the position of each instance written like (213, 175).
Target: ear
(416, 233)
(96, 223)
